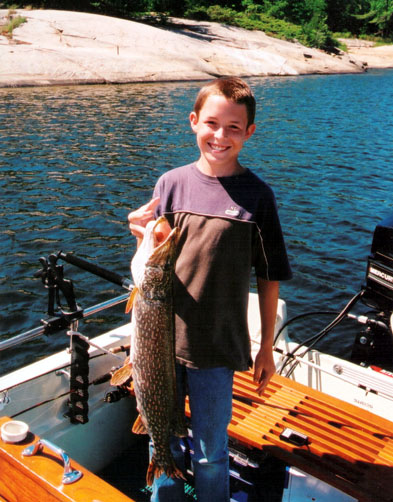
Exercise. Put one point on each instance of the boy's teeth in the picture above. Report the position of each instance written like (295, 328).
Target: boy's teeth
(216, 147)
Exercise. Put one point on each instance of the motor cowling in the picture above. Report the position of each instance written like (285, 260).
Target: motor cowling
(374, 344)
(378, 290)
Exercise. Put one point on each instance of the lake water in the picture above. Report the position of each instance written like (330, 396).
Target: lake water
(75, 160)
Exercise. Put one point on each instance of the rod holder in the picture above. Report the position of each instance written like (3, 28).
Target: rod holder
(69, 475)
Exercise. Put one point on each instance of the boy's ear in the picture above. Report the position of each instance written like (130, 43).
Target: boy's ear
(193, 120)
(250, 131)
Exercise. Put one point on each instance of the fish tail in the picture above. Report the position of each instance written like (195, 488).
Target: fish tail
(180, 428)
(154, 471)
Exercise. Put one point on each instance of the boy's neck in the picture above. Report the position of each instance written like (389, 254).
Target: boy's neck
(217, 171)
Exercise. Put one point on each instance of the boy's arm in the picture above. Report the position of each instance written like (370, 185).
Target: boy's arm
(264, 366)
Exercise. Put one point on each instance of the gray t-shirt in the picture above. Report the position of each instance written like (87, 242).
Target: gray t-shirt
(228, 226)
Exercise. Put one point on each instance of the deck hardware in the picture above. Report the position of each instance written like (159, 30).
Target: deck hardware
(69, 475)
(294, 437)
(115, 395)
(79, 379)
(338, 369)
(14, 431)
(238, 477)
(52, 276)
(4, 399)
(63, 372)
(242, 459)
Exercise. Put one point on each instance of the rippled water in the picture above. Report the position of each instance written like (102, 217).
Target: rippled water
(75, 160)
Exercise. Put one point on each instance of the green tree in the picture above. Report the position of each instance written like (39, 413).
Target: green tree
(120, 8)
(317, 33)
(296, 11)
(173, 7)
(380, 16)
(342, 15)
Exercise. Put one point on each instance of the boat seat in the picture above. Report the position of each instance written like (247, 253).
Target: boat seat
(348, 447)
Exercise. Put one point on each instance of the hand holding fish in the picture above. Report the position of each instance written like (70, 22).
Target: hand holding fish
(139, 218)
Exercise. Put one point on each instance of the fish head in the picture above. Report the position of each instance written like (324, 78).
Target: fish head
(153, 264)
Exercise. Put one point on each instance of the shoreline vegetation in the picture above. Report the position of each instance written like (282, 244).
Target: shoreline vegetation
(11, 22)
(54, 47)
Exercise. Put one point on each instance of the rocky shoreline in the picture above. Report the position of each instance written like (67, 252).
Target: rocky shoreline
(67, 48)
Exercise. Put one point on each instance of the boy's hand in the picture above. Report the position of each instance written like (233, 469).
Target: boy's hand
(138, 219)
(264, 366)
(264, 369)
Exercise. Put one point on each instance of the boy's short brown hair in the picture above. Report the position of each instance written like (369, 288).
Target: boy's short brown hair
(233, 88)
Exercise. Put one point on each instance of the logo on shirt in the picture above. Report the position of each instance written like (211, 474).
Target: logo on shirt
(232, 211)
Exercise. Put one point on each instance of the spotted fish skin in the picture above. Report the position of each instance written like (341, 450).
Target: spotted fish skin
(153, 348)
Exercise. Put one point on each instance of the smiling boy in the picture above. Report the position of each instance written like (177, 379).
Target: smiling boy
(221, 127)
(229, 226)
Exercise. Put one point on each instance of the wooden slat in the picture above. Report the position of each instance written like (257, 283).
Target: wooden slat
(349, 448)
(38, 478)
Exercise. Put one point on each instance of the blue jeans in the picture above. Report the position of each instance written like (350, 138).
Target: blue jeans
(210, 393)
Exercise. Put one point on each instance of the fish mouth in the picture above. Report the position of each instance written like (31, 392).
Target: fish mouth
(167, 247)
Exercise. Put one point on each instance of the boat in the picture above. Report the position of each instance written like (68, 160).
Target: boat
(321, 431)
(366, 377)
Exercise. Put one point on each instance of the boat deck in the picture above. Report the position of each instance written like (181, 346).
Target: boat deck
(349, 448)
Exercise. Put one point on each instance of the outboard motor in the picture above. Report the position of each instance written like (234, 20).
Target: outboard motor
(374, 345)
(379, 278)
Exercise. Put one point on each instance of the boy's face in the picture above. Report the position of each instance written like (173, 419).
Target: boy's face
(221, 130)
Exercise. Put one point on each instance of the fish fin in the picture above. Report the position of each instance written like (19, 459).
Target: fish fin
(131, 299)
(155, 471)
(139, 427)
(122, 375)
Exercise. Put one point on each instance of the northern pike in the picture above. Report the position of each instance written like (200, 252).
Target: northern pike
(152, 355)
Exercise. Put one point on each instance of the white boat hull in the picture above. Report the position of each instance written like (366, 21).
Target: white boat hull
(108, 431)
(363, 387)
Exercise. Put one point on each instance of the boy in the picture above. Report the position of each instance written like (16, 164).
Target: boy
(229, 224)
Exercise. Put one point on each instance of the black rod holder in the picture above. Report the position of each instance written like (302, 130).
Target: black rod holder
(106, 274)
